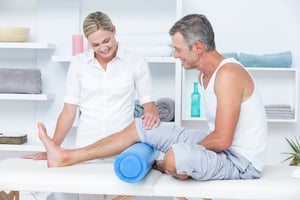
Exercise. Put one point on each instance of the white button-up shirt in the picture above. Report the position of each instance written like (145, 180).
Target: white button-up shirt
(106, 98)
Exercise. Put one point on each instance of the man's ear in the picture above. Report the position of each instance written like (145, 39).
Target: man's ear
(199, 46)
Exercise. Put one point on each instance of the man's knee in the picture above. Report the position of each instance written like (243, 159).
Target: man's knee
(170, 165)
(169, 161)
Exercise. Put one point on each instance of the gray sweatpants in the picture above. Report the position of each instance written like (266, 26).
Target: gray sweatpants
(193, 159)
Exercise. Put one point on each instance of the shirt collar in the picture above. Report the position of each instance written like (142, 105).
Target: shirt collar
(120, 54)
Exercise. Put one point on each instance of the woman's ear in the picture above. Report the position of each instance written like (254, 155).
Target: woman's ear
(114, 30)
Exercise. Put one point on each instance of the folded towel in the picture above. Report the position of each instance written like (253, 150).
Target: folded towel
(278, 106)
(231, 55)
(138, 109)
(151, 51)
(144, 40)
(282, 59)
(133, 163)
(26, 81)
(166, 109)
(279, 111)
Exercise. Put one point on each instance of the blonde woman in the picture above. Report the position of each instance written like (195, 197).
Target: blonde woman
(101, 85)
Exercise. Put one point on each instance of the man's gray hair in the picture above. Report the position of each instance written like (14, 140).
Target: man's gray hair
(195, 27)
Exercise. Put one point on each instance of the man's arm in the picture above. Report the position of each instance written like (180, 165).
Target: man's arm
(233, 85)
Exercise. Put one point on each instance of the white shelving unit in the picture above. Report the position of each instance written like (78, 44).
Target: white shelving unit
(166, 71)
(26, 45)
(168, 75)
(286, 84)
(27, 97)
(19, 100)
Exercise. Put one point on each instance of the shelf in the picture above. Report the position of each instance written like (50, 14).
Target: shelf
(61, 58)
(34, 144)
(29, 97)
(22, 147)
(161, 59)
(187, 118)
(149, 59)
(271, 69)
(26, 45)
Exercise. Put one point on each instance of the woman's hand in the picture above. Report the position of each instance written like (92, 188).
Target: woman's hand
(150, 117)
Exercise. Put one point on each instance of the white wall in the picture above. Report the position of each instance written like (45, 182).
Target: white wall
(255, 26)
(250, 26)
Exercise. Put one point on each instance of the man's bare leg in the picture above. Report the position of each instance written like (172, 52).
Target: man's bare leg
(168, 165)
(106, 147)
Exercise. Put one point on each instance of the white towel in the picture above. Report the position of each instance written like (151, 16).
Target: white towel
(143, 40)
(151, 51)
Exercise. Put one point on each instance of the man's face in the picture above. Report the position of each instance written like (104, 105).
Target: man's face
(104, 43)
(182, 51)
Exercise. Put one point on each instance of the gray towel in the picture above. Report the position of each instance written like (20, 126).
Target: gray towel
(166, 109)
(23, 81)
(279, 111)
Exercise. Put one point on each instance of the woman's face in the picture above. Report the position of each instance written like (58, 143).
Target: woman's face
(104, 43)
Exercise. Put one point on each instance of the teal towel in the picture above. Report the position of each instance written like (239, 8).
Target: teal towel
(138, 109)
(231, 55)
(282, 59)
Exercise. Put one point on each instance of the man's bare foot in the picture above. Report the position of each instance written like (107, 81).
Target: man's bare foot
(55, 154)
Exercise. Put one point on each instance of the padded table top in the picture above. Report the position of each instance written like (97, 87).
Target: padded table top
(94, 177)
(98, 177)
(276, 183)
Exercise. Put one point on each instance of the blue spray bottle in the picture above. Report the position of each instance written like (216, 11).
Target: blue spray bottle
(195, 101)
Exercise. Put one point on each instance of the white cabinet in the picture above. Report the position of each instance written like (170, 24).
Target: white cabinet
(18, 111)
(53, 23)
(278, 86)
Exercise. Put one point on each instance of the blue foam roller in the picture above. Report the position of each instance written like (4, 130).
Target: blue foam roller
(133, 163)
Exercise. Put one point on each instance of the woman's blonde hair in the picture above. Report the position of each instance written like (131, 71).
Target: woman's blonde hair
(95, 21)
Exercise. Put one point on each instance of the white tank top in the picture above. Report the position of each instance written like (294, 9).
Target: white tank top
(251, 131)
